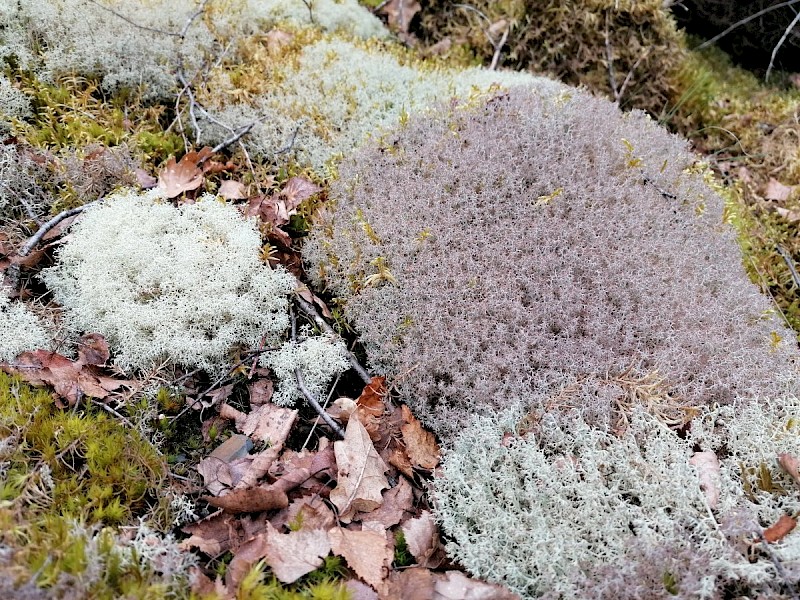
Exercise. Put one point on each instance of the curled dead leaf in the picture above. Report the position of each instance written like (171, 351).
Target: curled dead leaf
(791, 465)
(780, 529)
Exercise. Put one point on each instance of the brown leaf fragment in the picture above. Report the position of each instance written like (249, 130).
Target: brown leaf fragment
(791, 465)
(707, 466)
(421, 446)
(360, 473)
(255, 499)
(213, 535)
(370, 406)
(361, 591)
(144, 179)
(260, 392)
(422, 539)
(396, 503)
(777, 191)
(780, 529)
(277, 40)
(232, 190)
(415, 583)
(246, 555)
(396, 456)
(183, 176)
(307, 512)
(368, 554)
(454, 585)
(297, 553)
(400, 13)
(93, 350)
(296, 190)
(269, 423)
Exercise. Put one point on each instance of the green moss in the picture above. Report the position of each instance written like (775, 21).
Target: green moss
(322, 584)
(402, 555)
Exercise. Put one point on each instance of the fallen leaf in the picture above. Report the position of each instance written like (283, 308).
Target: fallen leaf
(422, 539)
(396, 503)
(246, 555)
(370, 406)
(93, 350)
(270, 423)
(780, 529)
(775, 190)
(400, 13)
(421, 446)
(791, 465)
(297, 553)
(707, 466)
(213, 535)
(232, 190)
(144, 179)
(71, 380)
(366, 552)
(415, 583)
(361, 591)
(183, 176)
(397, 457)
(296, 190)
(792, 216)
(360, 473)
(307, 512)
(454, 585)
(260, 392)
(277, 40)
(258, 467)
(342, 408)
(254, 499)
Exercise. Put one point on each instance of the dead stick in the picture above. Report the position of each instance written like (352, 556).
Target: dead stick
(314, 403)
(37, 237)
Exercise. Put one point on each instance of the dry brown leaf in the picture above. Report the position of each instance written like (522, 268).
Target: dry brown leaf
(296, 190)
(421, 446)
(792, 216)
(258, 468)
(707, 466)
(400, 13)
(144, 179)
(422, 539)
(71, 380)
(307, 512)
(246, 555)
(360, 476)
(93, 350)
(297, 553)
(213, 535)
(396, 456)
(366, 552)
(232, 190)
(780, 529)
(183, 176)
(260, 392)
(415, 583)
(777, 191)
(454, 585)
(396, 503)
(370, 406)
(277, 40)
(360, 591)
(791, 465)
(269, 423)
(342, 408)
(254, 499)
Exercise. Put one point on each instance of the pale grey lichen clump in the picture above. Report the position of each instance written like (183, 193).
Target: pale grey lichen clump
(163, 283)
(338, 94)
(319, 359)
(571, 511)
(13, 104)
(20, 330)
(539, 242)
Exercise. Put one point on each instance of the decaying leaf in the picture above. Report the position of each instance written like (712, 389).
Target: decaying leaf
(185, 175)
(213, 535)
(777, 191)
(254, 499)
(396, 503)
(707, 466)
(71, 380)
(296, 190)
(454, 585)
(366, 552)
(780, 529)
(93, 350)
(297, 553)
(400, 13)
(360, 473)
(232, 190)
(415, 583)
(268, 423)
(260, 392)
(791, 465)
(422, 539)
(370, 406)
(421, 446)
(307, 512)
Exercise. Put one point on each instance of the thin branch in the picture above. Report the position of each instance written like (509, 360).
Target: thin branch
(134, 23)
(37, 237)
(191, 19)
(789, 263)
(309, 6)
(380, 6)
(315, 404)
(629, 76)
(779, 44)
(111, 411)
(778, 566)
(235, 137)
(744, 21)
(309, 309)
(610, 60)
(498, 48)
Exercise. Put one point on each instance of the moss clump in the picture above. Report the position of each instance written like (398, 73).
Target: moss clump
(323, 584)
(573, 41)
(68, 476)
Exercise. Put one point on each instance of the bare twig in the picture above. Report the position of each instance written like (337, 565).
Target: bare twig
(309, 6)
(779, 44)
(498, 48)
(37, 237)
(111, 411)
(243, 131)
(610, 60)
(778, 566)
(309, 309)
(134, 23)
(200, 9)
(315, 404)
(789, 263)
(744, 21)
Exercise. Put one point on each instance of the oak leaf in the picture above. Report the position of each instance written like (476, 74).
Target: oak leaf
(791, 465)
(422, 539)
(360, 473)
(185, 175)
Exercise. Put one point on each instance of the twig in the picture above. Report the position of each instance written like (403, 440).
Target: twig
(779, 44)
(37, 237)
(664, 193)
(789, 263)
(610, 60)
(290, 145)
(134, 23)
(110, 410)
(235, 137)
(309, 6)
(192, 17)
(309, 309)
(380, 6)
(744, 21)
(315, 404)
(498, 48)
